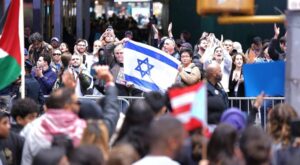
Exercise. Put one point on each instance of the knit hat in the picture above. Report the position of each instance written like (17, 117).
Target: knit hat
(234, 117)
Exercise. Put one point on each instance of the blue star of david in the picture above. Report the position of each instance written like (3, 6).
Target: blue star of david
(139, 68)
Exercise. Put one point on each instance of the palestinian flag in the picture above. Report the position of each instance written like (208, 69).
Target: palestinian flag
(12, 44)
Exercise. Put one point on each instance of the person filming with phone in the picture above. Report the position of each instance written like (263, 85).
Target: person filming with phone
(44, 74)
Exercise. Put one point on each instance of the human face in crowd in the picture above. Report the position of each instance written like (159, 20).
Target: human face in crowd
(119, 54)
(36, 44)
(218, 74)
(109, 37)
(169, 46)
(238, 62)
(56, 56)
(54, 44)
(81, 47)
(218, 55)
(75, 61)
(257, 47)
(228, 45)
(203, 44)
(185, 59)
(4, 127)
(27, 31)
(283, 46)
(27, 119)
(96, 46)
(41, 63)
(63, 47)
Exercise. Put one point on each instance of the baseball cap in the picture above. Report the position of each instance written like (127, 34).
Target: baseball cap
(55, 38)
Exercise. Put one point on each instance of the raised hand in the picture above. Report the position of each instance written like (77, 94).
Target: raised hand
(170, 30)
(259, 100)
(276, 31)
(104, 73)
(154, 29)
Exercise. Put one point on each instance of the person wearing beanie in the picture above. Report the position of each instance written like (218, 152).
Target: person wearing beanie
(234, 117)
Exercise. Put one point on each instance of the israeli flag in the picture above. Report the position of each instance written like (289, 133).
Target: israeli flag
(149, 68)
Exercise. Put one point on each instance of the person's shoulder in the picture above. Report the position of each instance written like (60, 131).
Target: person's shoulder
(47, 45)
(26, 131)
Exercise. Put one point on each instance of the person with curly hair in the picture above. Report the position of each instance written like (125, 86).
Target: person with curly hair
(278, 125)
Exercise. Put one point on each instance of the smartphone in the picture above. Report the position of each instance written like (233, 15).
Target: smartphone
(295, 128)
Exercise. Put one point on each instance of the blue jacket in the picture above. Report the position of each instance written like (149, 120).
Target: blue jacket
(47, 81)
(33, 89)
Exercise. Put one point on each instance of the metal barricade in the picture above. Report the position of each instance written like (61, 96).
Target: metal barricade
(123, 103)
(245, 104)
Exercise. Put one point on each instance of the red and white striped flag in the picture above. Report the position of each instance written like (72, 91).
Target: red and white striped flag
(189, 105)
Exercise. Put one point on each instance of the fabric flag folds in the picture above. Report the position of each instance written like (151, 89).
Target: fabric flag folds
(189, 105)
(149, 68)
(11, 44)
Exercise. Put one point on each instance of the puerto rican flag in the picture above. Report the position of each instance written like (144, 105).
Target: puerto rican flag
(189, 105)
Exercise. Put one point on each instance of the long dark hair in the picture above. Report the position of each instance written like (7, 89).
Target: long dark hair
(221, 144)
(137, 121)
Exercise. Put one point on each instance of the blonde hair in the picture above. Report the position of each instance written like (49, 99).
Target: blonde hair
(96, 133)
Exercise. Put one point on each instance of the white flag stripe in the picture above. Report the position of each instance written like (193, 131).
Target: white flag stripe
(184, 117)
(3, 53)
(162, 74)
(184, 99)
(159, 69)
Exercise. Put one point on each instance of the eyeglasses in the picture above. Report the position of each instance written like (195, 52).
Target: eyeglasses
(56, 54)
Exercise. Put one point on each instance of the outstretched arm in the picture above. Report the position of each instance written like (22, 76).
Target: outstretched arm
(111, 106)
(273, 53)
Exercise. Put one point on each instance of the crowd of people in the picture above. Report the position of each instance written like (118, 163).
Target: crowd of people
(53, 126)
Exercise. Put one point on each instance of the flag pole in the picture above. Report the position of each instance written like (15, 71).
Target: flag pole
(21, 37)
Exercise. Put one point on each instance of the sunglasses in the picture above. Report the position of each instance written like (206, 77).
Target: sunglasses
(56, 54)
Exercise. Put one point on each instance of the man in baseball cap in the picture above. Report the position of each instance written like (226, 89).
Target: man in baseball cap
(55, 42)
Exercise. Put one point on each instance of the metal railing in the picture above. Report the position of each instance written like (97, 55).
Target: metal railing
(123, 103)
(243, 103)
